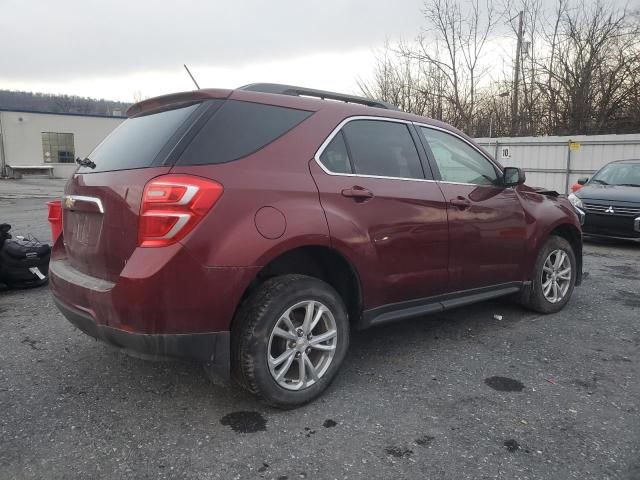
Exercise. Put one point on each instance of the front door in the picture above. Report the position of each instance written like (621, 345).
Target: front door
(486, 220)
(382, 212)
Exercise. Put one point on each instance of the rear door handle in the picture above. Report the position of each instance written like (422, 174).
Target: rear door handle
(358, 193)
(460, 202)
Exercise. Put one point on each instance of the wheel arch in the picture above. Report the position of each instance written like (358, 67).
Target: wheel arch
(318, 261)
(573, 235)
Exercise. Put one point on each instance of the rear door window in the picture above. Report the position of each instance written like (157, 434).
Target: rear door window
(238, 129)
(382, 148)
(136, 142)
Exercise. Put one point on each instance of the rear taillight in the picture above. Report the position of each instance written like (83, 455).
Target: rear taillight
(172, 205)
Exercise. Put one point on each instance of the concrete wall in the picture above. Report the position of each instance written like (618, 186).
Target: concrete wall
(555, 162)
(22, 136)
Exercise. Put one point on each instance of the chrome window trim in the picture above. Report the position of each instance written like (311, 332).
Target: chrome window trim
(636, 224)
(82, 198)
(338, 128)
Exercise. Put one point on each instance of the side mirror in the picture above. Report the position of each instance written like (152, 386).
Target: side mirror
(513, 176)
(583, 180)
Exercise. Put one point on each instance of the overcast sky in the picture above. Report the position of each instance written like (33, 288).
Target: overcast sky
(113, 49)
(123, 49)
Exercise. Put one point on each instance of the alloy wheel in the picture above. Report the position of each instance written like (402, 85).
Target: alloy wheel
(302, 345)
(556, 276)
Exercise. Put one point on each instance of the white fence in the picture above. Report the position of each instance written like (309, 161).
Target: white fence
(557, 162)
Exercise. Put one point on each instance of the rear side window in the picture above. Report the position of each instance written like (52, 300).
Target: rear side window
(382, 148)
(238, 129)
(335, 157)
(136, 142)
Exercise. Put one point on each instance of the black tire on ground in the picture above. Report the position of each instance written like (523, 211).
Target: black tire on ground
(536, 300)
(252, 328)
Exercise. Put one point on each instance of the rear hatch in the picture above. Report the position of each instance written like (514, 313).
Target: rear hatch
(102, 201)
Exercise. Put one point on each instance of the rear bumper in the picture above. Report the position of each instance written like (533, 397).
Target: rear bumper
(163, 304)
(160, 291)
(211, 348)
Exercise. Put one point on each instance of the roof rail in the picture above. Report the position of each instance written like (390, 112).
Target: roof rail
(312, 92)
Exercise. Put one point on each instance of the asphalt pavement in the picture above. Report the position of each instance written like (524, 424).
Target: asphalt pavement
(488, 391)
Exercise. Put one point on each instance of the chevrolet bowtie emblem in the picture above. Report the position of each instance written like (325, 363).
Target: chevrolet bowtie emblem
(610, 210)
(69, 202)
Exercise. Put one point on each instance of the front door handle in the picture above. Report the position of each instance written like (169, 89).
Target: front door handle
(460, 202)
(357, 193)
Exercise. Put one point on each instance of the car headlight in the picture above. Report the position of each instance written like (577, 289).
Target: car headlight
(575, 201)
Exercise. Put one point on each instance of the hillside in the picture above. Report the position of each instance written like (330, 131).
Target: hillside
(43, 102)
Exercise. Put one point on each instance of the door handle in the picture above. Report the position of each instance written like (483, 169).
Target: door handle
(460, 202)
(358, 193)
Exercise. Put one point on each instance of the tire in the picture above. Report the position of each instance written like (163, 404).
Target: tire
(537, 300)
(255, 343)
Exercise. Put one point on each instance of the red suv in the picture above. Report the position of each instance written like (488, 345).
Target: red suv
(252, 229)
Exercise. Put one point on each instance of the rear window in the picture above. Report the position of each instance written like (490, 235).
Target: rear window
(238, 129)
(136, 142)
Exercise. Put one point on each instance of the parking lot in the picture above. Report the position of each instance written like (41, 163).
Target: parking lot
(487, 391)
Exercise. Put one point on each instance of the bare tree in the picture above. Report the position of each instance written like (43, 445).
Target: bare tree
(579, 69)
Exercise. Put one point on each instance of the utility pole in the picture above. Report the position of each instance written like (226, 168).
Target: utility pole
(515, 116)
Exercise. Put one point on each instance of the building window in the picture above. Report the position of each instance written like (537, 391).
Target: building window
(58, 147)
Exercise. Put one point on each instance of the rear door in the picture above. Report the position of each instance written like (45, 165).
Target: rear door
(102, 203)
(384, 209)
(486, 220)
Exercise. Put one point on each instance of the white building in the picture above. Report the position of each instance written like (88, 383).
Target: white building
(49, 141)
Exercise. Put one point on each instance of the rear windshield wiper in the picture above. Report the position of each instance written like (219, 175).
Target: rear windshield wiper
(599, 181)
(86, 162)
(629, 184)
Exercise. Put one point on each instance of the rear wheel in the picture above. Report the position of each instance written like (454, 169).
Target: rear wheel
(289, 339)
(554, 276)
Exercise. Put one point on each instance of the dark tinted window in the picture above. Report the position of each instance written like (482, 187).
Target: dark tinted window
(136, 141)
(238, 129)
(382, 148)
(335, 156)
(457, 160)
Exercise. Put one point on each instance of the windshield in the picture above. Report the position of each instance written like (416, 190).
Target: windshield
(618, 174)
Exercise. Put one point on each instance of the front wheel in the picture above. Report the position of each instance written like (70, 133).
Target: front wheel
(289, 339)
(554, 276)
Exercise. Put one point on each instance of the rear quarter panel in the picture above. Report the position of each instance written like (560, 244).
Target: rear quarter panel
(276, 176)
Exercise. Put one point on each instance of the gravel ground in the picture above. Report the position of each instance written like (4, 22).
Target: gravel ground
(460, 395)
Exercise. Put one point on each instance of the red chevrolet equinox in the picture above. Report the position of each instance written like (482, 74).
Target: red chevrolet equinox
(252, 229)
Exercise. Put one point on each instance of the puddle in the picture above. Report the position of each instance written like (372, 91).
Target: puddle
(424, 440)
(504, 384)
(245, 422)
(398, 452)
(328, 423)
(511, 445)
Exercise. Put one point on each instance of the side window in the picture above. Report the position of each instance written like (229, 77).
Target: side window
(458, 161)
(335, 156)
(382, 148)
(238, 129)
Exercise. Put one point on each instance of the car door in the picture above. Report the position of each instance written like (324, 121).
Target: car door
(486, 220)
(383, 212)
